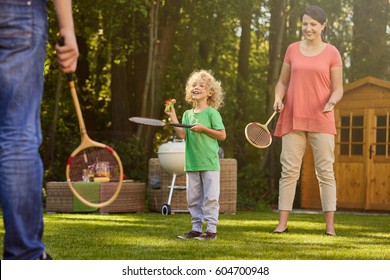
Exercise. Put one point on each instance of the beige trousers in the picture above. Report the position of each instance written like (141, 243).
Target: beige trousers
(293, 149)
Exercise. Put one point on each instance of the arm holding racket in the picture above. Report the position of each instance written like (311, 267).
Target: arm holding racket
(68, 54)
(180, 131)
(216, 134)
(199, 128)
(281, 87)
(258, 134)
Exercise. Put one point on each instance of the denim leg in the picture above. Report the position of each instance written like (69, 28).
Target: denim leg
(21, 198)
(23, 37)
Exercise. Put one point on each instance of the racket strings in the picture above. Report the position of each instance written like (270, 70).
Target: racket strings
(258, 135)
(147, 121)
(99, 162)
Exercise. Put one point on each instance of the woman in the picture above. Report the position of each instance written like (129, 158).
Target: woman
(309, 86)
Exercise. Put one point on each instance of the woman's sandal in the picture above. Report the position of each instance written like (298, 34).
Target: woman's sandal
(278, 232)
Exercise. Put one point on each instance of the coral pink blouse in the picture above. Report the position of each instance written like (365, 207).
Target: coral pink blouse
(308, 91)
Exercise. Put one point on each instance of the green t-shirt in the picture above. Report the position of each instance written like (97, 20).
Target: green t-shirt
(201, 149)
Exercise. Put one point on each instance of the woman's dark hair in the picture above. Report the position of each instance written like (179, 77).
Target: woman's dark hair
(317, 14)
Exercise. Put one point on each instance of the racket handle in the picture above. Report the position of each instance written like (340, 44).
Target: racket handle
(69, 77)
(61, 42)
(273, 115)
(181, 125)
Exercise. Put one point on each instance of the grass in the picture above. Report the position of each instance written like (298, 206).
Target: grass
(243, 236)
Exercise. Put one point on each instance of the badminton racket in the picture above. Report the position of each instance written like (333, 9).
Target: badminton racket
(90, 155)
(155, 122)
(258, 134)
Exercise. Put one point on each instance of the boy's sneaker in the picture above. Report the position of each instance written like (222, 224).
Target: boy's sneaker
(207, 236)
(189, 235)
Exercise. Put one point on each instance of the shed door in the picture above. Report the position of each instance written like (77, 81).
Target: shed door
(350, 164)
(378, 168)
(362, 164)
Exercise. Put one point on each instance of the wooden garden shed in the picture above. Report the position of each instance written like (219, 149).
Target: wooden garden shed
(362, 162)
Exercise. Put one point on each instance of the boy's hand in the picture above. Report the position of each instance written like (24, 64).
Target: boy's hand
(198, 127)
(169, 104)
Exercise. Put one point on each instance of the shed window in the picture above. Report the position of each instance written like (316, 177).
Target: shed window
(382, 135)
(351, 135)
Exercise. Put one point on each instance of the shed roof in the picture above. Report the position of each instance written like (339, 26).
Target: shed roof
(368, 80)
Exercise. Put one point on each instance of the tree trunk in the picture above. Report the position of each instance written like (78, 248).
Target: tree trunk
(277, 31)
(169, 22)
(83, 74)
(159, 49)
(49, 157)
(127, 76)
(119, 101)
(142, 131)
(242, 78)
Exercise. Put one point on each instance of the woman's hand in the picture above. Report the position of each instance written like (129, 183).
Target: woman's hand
(329, 107)
(278, 104)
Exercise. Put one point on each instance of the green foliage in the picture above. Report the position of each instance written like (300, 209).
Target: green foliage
(255, 194)
(134, 158)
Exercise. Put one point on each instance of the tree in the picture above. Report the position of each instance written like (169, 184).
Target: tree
(370, 53)
(164, 41)
(276, 53)
(245, 13)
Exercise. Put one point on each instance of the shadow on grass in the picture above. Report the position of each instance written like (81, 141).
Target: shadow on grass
(246, 235)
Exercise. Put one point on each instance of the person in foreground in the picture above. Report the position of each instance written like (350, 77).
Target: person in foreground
(309, 86)
(23, 40)
(201, 153)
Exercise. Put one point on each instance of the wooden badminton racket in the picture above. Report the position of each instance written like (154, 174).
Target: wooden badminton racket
(258, 134)
(89, 155)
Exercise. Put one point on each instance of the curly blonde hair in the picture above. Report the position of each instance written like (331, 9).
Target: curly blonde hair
(214, 86)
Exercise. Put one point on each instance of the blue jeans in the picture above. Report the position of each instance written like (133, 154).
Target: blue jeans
(23, 37)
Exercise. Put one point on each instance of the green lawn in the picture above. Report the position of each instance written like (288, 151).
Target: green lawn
(243, 236)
